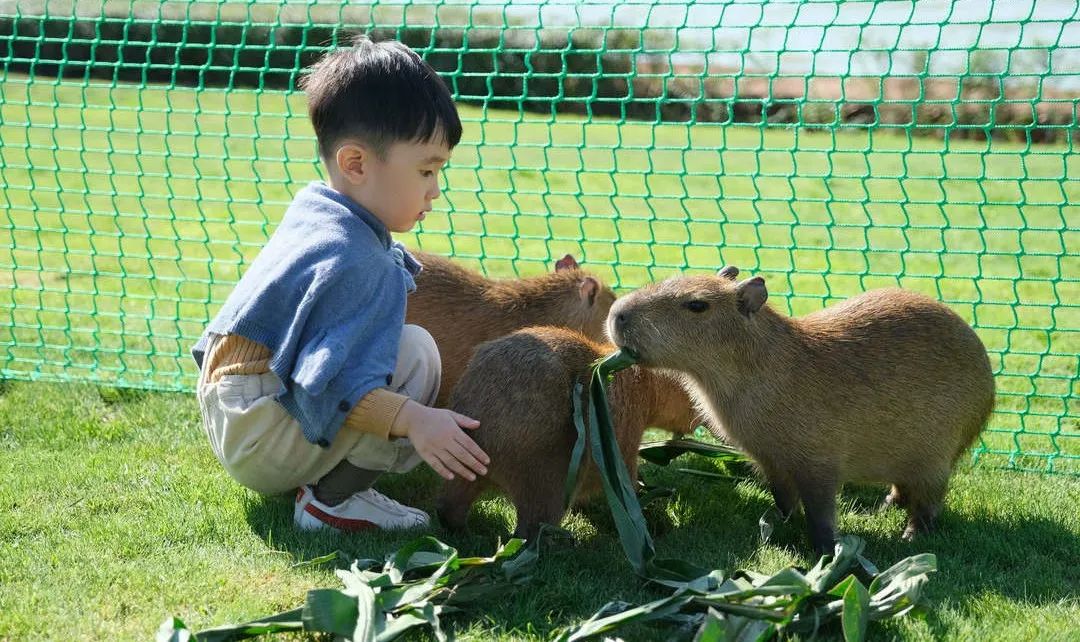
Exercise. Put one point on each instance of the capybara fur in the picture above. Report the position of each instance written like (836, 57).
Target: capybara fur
(889, 386)
(461, 308)
(519, 387)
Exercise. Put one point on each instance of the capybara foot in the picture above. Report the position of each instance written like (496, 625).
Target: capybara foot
(454, 503)
(918, 524)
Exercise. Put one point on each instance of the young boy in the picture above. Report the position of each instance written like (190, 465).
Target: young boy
(309, 377)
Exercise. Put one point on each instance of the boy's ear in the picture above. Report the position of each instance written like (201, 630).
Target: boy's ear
(352, 161)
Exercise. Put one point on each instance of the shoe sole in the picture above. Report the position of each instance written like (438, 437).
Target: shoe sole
(340, 523)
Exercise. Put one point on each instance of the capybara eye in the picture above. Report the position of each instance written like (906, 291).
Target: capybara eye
(696, 305)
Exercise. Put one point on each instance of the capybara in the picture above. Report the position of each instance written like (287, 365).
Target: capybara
(519, 387)
(889, 386)
(462, 309)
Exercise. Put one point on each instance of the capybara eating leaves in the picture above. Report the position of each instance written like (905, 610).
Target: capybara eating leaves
(889, 386)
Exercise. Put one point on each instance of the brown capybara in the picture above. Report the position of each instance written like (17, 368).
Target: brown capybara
(888, 386)
(519, 387)
(462, 309)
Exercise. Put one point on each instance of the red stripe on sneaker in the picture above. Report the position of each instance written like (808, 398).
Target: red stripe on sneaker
(341, 523)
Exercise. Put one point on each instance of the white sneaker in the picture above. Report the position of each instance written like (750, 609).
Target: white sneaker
(365, 510)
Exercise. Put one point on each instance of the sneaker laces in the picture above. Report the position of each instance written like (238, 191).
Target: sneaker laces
(382, 500)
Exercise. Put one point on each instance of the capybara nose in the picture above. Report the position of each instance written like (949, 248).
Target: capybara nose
(620, 321)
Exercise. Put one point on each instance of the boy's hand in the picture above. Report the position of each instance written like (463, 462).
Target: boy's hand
(437, 435)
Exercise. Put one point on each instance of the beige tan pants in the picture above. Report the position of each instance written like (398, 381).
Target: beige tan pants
(263, 447)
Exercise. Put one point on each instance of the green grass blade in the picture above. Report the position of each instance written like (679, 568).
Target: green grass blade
(906, 569)
(173, 629)
(710, 475)
(519, 569)
(662, 452)
(713, 629)
(617, 614)
(318, 561)
(577, 455)
(720, 627)
(855, 615)
(422, 553)
(899, 588)
(280, 623)
(342, 614)
(395, 627)
(831, 568)
(788, 581)
(618, 489)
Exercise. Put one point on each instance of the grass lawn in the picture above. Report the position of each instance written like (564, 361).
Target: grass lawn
(130, 212)
(116, 515)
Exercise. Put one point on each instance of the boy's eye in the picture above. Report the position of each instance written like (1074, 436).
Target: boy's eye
(426, 173)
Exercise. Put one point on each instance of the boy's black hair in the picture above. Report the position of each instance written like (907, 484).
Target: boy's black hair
(379, 93)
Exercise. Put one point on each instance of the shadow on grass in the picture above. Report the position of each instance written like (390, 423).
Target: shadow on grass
(1033, 561)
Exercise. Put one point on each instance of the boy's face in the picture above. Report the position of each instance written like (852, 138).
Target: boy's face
(397, 188)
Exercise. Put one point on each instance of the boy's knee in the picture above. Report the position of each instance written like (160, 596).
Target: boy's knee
(419, 367)
(418, 346)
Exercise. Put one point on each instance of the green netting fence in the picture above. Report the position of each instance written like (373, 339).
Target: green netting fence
(147, 149)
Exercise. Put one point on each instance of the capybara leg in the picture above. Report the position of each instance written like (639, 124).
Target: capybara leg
(455, 501)
(781, 484)
(534, 509)
(784, 491)
(819, 505)
(894, 498)
(924, 500)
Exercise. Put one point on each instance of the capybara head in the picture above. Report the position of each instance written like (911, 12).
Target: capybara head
(664, 323)
(594, 299)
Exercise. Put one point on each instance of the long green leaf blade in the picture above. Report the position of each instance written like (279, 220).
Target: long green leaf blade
(855, 615)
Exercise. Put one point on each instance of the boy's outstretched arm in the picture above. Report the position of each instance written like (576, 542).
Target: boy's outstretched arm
(437, 435)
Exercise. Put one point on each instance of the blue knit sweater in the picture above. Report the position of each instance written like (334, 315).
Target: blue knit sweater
(327, 296)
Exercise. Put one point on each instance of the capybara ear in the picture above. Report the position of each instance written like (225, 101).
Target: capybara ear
(588, 289)
(751, 295)
(566, 263)
(728, 272)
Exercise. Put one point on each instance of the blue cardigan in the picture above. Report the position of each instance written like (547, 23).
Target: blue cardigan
(327, 296)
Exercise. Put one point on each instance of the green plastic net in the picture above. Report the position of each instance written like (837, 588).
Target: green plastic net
(147, 149)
